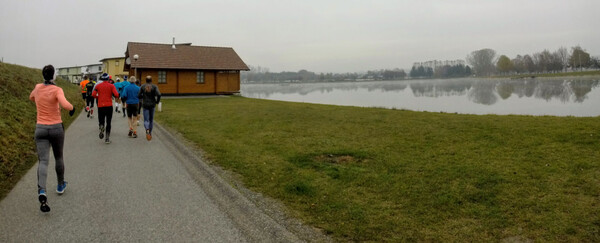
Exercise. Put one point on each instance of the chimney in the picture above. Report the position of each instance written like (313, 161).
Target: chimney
(173, 46)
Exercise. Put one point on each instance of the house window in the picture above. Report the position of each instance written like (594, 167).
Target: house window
(162, 77)
(199, 77)
(117, 63)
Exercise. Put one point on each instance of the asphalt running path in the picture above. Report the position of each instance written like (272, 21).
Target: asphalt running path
(129, 190)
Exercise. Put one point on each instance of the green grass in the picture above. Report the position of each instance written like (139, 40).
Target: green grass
(367, 174)
(551, 75)
(18, 119)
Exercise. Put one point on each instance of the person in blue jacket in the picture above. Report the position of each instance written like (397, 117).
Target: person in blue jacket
(130, 97)
(120, 86)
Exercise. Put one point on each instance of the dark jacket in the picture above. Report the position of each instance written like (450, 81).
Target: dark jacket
(149, 99)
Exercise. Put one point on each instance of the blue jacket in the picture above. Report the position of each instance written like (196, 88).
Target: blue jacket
(120, 86)
(130, 94)
(123, 85)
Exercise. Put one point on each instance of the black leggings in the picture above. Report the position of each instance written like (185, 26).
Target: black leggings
(89, 101)
(105, 113)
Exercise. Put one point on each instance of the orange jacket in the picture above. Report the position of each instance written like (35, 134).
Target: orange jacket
(82, 84)
(47, 98)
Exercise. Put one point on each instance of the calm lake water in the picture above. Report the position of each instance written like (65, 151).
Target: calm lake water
(558, 97)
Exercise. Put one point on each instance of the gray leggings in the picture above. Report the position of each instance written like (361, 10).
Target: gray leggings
(47, 136)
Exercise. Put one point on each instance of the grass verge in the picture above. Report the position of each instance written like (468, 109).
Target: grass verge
(18, 119)
(367, 174)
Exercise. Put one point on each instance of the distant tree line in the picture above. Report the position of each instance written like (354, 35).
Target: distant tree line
(482, 62)
(445, 71)
(262, 74)
(485, 63)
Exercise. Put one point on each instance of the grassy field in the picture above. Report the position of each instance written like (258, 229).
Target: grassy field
(367, 174)
(17, 121)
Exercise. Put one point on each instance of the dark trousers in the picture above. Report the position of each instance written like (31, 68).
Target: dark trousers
(89, 101)
(105, 113)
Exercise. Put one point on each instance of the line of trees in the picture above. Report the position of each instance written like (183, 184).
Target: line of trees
(485, 63)
(445, 71)
(482, 62)
(262, 74)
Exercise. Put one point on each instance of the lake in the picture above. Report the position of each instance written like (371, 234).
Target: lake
(538, 96)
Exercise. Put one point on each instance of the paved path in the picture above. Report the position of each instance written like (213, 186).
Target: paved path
(132, 190)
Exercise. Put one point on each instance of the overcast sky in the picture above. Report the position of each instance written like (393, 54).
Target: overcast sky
(317, 35)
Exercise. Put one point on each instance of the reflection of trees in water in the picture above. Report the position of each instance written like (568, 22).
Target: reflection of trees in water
(478, 91)
(505, 90)
(441, 88)
(581, 88)
(547, 89)
(483, 93)
(266, 90)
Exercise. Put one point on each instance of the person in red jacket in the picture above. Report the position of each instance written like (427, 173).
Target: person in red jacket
(104, 92)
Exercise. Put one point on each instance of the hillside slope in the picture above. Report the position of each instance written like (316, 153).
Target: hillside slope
(18, 118)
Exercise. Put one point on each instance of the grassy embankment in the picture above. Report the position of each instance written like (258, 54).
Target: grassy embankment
(552, 75)
(18, 118)
(370, 174)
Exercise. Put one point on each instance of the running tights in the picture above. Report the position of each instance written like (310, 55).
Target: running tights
(105, 113)
(47, 136)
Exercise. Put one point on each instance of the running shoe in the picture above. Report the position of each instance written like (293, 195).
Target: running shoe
(148, 135)
(101, 135)
(88, 114)
(134, 134)
(43, 201)
(130, 133)
(61, 188)
(106, 141)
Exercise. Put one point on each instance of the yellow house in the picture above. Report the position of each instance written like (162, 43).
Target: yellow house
(114, 67)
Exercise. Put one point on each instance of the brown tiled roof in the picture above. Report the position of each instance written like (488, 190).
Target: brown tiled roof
(184, 56)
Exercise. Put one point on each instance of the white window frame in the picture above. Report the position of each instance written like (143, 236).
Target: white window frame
(162, 79)
(200, 77)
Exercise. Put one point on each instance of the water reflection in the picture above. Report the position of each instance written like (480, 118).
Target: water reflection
(516, 96)
(266, 90)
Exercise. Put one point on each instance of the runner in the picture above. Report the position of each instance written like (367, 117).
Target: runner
(104, 93)
(139, 111)
(49, 132)
(130, 96)
(89, 102)
(150, 96)
(82, 84)
(120, 85)
(125, 84)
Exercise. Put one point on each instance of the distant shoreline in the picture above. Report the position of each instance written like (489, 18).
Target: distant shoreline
(522, 76)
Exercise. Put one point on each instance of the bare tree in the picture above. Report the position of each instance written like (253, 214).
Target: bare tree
(563, 55)
(483, 61)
